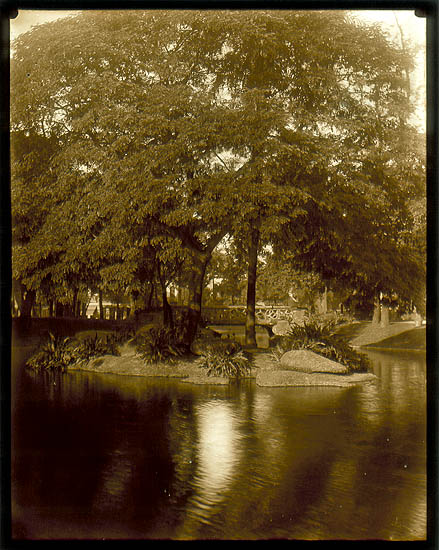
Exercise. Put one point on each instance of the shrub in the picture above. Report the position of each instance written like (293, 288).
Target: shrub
(59, 353)
(226, 359)
(159, 344)
(321, 338)
(55, 354)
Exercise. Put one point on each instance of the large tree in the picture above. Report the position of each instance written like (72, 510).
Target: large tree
(189, 125)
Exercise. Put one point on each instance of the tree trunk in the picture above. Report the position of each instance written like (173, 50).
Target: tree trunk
(17, 294)
(59, 310)
(84, 307)
(28, 303)
(149, 301)
(51, 310)
(325, 301)
(199, 266)
(384, 316)
(250, 321)
(74, 302)
(101, 306)
(155, 297)
(376, 310)
(168, 318)
(201, 255)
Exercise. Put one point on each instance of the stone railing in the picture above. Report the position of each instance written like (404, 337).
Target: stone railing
(265, 315)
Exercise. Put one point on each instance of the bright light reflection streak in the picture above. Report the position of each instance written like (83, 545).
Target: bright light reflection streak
(217, 449)
(217, 455)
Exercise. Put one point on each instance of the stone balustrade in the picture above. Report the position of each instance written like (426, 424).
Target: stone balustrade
(265, 315)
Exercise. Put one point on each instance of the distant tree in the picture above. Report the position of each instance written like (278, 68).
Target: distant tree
(279, 282)
(226, 272)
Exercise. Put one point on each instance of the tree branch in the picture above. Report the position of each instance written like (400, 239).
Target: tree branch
(222, 162)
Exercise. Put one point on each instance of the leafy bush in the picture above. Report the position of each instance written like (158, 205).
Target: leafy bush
(159, 344)
(321, 338)
(59, 353)
(55, 354)
(226, 359)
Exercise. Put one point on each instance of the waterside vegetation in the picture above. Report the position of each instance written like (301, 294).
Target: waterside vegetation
(157, 350)
(58, 353)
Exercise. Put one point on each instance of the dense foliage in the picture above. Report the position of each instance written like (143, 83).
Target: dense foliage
(227, 359)
(158, 345)
(97, 346)
(58, 353)
(55, 354)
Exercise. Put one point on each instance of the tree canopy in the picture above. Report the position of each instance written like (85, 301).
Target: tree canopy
(180, 127)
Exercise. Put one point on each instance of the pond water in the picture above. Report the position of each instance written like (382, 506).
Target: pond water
(105, 456)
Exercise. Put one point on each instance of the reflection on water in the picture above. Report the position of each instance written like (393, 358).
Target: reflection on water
(217, 449)
(126, 457)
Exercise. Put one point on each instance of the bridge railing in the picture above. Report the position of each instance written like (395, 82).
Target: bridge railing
(224, 315)
(268, 315)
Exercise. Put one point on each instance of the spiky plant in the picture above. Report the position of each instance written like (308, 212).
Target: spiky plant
(54, 354)
(227, 359)
(158, 345)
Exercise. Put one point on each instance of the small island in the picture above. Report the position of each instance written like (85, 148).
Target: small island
(299, 368)
(294, 359)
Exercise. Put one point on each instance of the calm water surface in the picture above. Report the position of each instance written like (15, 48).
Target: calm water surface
(105, 456)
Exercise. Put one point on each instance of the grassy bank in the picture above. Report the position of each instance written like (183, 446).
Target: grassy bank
(414, 339)
(369, 333)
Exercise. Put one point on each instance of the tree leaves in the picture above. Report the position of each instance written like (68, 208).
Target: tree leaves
(165, 130)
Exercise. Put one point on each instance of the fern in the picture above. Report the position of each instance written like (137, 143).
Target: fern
(227, 359)
(59, 353)
(158, 345)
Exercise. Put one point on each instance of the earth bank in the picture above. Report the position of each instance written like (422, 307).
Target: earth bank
(295, 368)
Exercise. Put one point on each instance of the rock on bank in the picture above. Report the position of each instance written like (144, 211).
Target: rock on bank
(293, 378)
(267, 371)
(306, 368)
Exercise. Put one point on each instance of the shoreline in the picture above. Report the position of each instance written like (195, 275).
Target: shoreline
(266, 372)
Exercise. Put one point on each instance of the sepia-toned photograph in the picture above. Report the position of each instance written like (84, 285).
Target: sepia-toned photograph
(218, 274)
